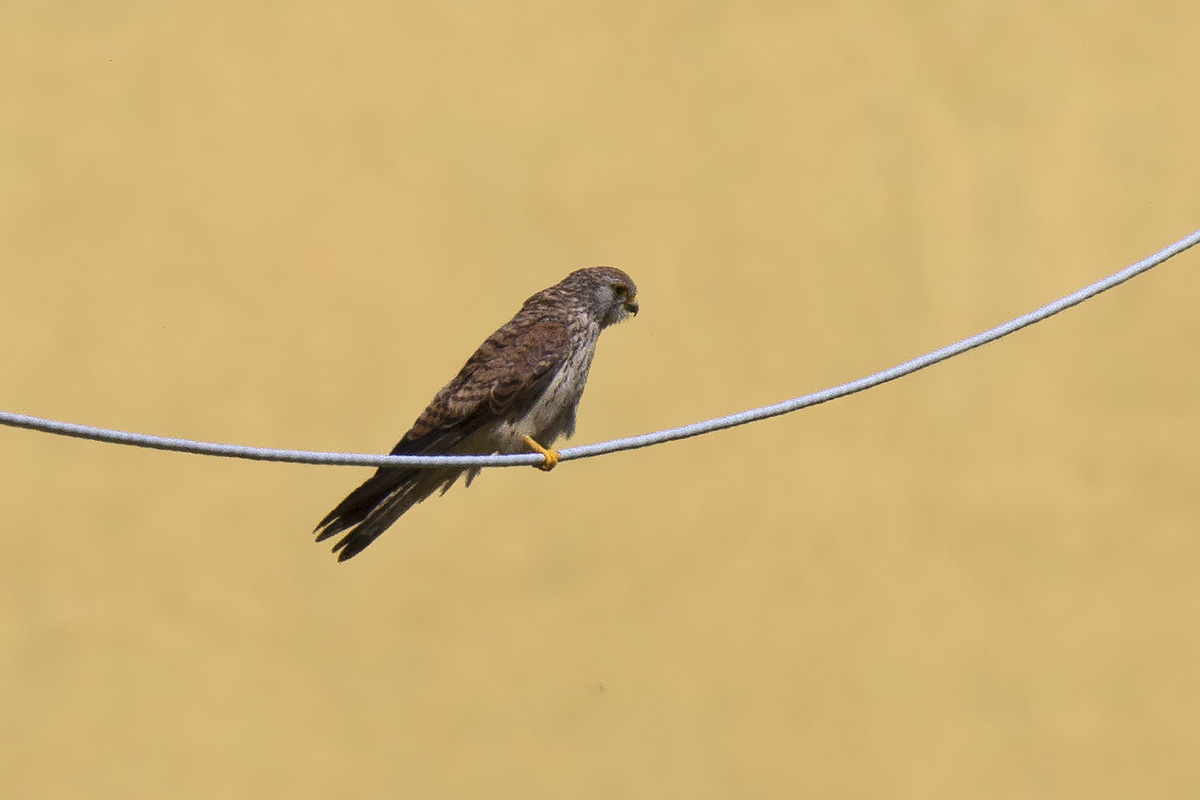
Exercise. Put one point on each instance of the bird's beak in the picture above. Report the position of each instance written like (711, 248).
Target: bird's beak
(631, 305)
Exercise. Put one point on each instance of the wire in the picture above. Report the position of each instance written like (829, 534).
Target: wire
(615, 445)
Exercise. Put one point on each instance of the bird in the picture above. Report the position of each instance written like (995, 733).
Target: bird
(518, 392)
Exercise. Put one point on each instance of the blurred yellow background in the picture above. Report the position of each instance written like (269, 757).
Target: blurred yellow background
(287, 224)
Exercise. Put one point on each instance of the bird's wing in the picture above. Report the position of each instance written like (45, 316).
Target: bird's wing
(501, 380)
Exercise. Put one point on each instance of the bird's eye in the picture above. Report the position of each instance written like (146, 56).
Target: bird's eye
(619, 290)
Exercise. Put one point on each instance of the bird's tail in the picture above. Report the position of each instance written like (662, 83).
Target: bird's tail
(372, 508)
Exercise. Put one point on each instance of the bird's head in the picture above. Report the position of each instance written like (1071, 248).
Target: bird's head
(610, 294)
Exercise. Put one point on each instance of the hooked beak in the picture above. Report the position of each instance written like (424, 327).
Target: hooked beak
(631, 305)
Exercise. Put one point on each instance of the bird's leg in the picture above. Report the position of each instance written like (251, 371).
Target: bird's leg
(550, 453)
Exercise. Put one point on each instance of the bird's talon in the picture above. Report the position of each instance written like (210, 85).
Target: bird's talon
(549, 453)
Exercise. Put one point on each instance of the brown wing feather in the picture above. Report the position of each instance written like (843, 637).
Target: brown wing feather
(500, 380)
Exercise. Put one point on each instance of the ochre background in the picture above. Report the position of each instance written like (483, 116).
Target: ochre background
(288, 224)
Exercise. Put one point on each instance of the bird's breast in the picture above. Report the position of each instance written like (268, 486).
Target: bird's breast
(553, 412)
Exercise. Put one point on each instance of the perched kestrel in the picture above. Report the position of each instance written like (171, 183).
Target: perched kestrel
(518, 392)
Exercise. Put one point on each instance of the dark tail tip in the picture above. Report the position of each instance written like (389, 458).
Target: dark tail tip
(351, 546)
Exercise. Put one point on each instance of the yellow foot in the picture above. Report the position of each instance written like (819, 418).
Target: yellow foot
(550, 454)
